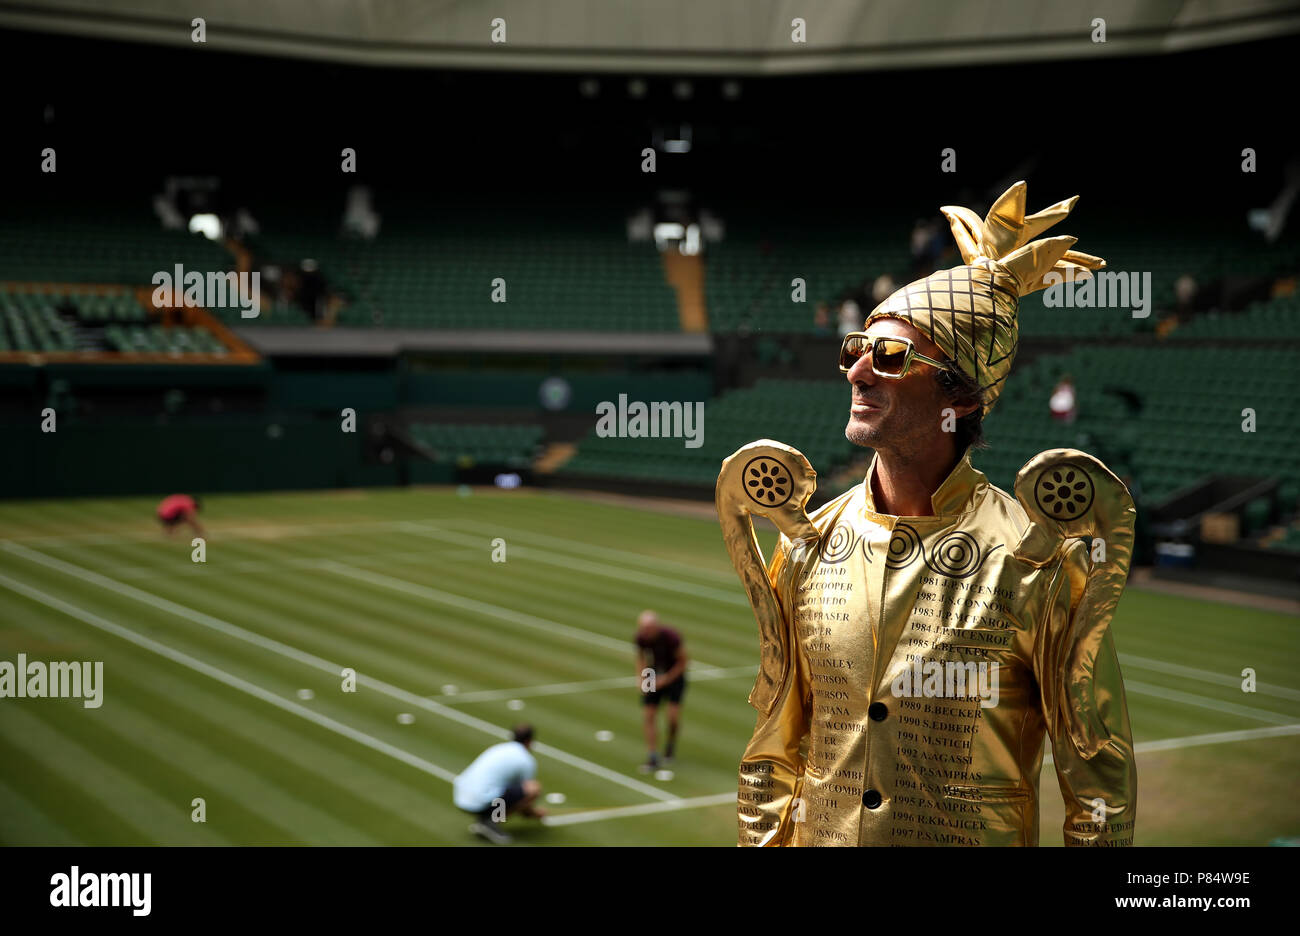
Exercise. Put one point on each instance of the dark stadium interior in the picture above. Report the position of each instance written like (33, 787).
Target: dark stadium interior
(277, 124)
(538, 173)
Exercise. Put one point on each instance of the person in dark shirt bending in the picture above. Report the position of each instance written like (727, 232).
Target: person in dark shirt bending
(660, 649)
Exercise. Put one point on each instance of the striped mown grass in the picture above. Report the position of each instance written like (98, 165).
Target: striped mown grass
(222, 679)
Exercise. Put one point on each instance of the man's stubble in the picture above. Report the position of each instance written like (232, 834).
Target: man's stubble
(896, 430)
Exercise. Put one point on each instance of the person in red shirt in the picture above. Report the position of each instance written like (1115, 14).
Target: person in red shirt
(177, 509)
(1063, 401)
(660, 648)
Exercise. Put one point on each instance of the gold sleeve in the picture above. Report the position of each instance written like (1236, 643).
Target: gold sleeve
(772, 767)
(1087, 715)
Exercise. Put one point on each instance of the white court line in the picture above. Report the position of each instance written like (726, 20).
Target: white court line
(620, 573)
(620, 812)
(613, 682)
(308, 659)
(493, 695)
(720, 799)
(669, 565)
(699, 669)
(260, 531)
(1219, 679)
(625, 647)
(315, 562)
(528, 620)
(234, 682)
(1217, 737)
(217, 566)
(1188, 698)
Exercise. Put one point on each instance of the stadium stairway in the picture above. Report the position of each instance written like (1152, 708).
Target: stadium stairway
(555, 455)
(686, 275)
(83, 322)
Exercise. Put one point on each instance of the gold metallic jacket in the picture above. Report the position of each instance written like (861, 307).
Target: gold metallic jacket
(868, 624)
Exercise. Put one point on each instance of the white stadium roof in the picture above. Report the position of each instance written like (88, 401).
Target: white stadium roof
(739, 37)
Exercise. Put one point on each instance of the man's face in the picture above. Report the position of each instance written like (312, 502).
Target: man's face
(900, 415)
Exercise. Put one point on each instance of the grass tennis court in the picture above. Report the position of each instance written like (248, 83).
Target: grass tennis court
(222, 680)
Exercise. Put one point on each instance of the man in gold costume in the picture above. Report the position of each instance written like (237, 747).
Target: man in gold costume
(922, 633)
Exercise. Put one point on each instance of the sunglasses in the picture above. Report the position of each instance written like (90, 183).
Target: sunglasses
(890, 356)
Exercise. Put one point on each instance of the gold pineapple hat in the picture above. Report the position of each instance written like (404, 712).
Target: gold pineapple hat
(970, 311)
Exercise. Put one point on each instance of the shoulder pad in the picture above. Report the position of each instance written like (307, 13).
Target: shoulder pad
(1069, 494)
